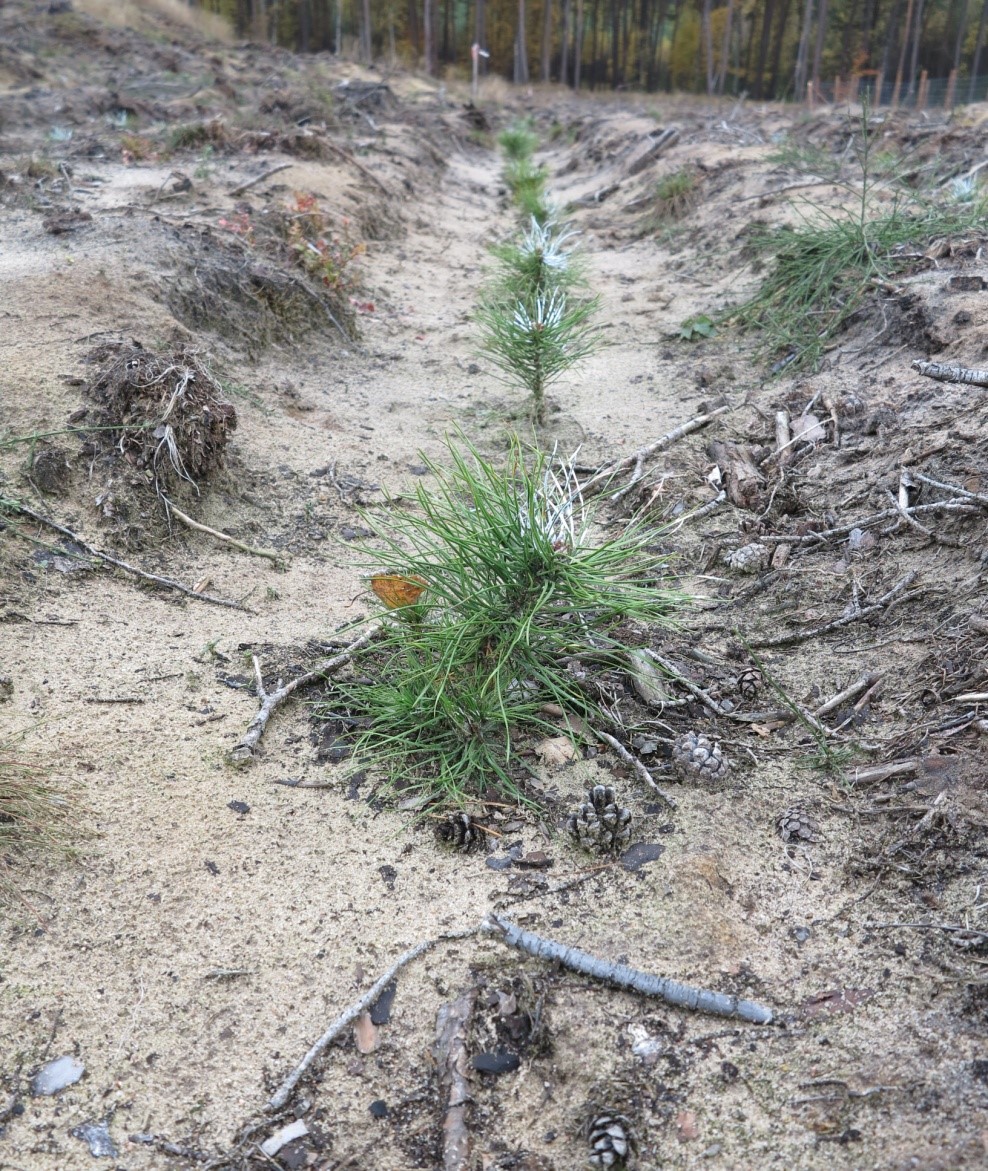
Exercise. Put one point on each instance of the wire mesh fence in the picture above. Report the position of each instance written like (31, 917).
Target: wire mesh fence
(918, 93)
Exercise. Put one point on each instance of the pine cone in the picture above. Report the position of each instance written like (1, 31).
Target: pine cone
(748, 559)
(749, 682)
(796, 825)
(599, 822)
(459, 831)
(611, 1140)
(697, 757)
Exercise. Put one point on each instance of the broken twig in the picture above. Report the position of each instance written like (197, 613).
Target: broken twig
(280, 1097)
(857, 615)
(276, 558)
(260, 178)
(243, 750)
(622, 976)
(167, 582)
(636, 461)
(636, 764)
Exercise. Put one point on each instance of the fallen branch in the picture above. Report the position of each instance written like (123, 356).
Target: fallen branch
(858, 615)
(636, 764)
(849, 693)
(260, 178)
(964, 504)
(622, 976)
(343, 154)
(167, 582)
(875, 773)
(637, 459)
(194, 524)
(280, 1097)
(956, 489)
(951, 373)
(243, 750)
(450, 1052)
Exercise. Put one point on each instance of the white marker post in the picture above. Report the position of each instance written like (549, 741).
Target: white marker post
(476, 52)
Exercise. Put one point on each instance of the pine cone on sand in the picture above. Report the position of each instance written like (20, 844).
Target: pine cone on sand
(796, 825)
(611, 1140)
(459, 831)
(600, 823)
(697, 757)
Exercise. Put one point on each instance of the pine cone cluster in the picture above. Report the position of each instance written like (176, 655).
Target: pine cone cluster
(459, 831)
(600, 823)
(611, 1140)
(697, 757)
(796, 825)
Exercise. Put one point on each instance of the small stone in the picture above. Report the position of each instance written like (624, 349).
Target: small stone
(56, 1075)
(281, 1138)
(96, 1135)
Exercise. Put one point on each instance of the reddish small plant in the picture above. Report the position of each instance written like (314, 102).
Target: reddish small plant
(324, 253)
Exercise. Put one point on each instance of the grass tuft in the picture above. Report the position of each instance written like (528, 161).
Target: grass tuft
(825, 267)
(33, 817)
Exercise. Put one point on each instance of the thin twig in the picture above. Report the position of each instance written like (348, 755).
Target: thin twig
(260, 178)
(167, 582)
(622, 976)
(838, 623)
(243, 750)
(637, 458)
(956, 489)
(636, 764)
(280, 1097)
(199, 527)
(693, 688)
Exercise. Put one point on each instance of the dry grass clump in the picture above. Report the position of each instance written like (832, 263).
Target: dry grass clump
(674, 198)
(165, 414)
(33, 816)
(132, 13)
(227, 284)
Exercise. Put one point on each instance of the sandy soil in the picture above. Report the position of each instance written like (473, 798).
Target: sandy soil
(214, 920)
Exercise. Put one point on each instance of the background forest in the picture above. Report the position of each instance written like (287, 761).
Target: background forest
(764, 48)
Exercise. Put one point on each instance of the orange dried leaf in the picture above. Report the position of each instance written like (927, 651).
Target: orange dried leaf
(397, 589)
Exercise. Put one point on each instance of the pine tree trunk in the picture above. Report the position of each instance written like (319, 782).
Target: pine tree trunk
(961, 33)
(763, 44)
(365, 32)
(430, 45)
(578, 44)
(547, 40)
(725, 49)
(821, 36)
(915, 57)
(708, 46)
(564, 55)
(979, 46)
(521, 47)
(803, 53)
